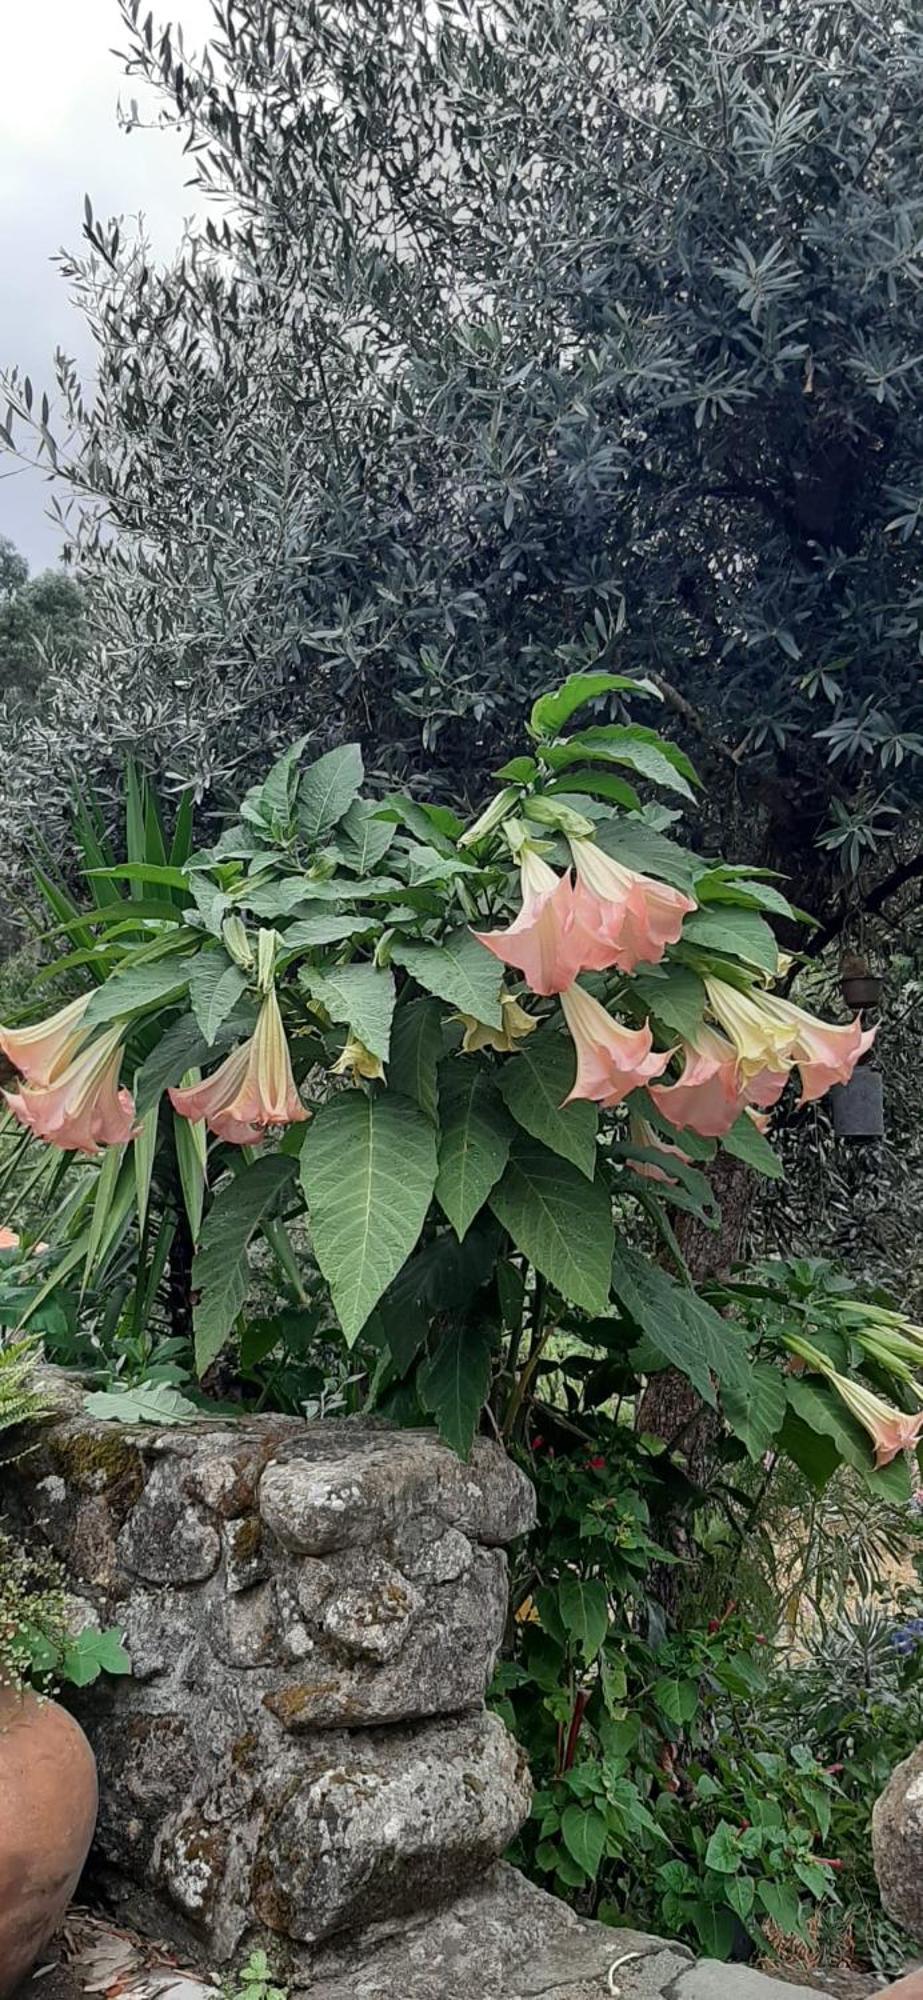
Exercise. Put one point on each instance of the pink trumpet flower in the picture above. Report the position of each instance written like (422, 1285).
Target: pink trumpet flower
(632, 916)
(251, 1089)
(44, 1050)
(82, 1108)
(8, 1239)
(824, 1053)
(612, 1061)
(545, 942)
(709, 1097)
(891, 1430)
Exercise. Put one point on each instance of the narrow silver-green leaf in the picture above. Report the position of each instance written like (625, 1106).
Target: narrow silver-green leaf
(144, 1146)
(105, 1207)
(368, 1169)
(191, 1151)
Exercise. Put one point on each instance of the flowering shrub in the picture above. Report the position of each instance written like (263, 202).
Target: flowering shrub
(434, 1070)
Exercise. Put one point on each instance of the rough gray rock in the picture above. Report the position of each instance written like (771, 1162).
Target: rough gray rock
(505, 1940)
(897, 1843)
(313, 1613)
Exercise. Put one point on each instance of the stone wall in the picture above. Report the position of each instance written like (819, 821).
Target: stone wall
(313, 1613)
(302, 1757)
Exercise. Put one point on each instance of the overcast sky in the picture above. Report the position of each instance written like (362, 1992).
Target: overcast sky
(60, 140)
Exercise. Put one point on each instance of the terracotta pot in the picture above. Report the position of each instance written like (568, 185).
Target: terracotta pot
(48, 1804)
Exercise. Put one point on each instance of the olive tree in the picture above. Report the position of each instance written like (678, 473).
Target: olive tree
(516, 338)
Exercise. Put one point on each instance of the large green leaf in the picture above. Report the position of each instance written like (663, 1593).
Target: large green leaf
(220, 1273)
(596, 785)
(144, 1403)
(756, 1412)
(459, 970)
(326, 927)
(605, 734)
(560, 1221)
(215, 986)
(455, 1381)
(327, 790)
(474, 1144)
(676, 996)
(584, 1831)
(270, 804)
(368, 1169)
(363, 837)
(134, 992)
(689, 1334)
(416, 1046)
(719, 885)
(584, 1611)
(535, 1083)
(747, 1143)
(638, 749)
(740, 934)
(815, 1455)
(278, 895)
(181, 1047)
(361, 995)
(551, 711)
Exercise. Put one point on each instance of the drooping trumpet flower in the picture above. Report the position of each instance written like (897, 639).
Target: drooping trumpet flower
(545, 942)
(709, 1096)
(82, 1107)
(43, 1050)
(612, 1061)
(252, 1089)
(825, 1053)
(891, 1430)
(632, 916)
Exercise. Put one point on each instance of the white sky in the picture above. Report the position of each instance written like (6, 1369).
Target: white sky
(59, 140)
